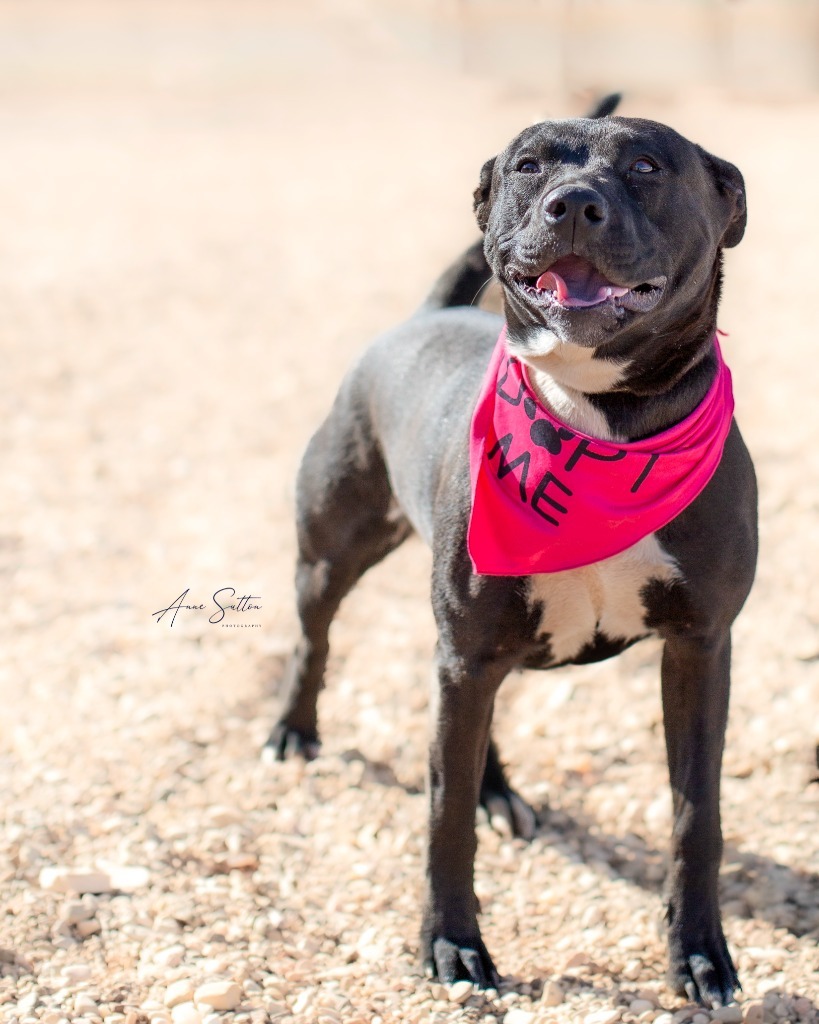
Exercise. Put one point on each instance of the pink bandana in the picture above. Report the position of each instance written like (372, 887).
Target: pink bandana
(546, 497)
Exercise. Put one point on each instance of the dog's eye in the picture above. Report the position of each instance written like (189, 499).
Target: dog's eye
(644, 166)
(529, 167)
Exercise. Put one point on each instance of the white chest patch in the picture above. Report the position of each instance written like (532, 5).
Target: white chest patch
(601, 598)
(562, 375)
(569, 406)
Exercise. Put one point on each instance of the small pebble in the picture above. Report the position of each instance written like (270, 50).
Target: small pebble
(171, 956)
(84, 1004)
(553, 994)
(516, 1016)
(459, 992)
(664, 1018)
(77, 910)
(753, 1013)
(29, 1001)
(639, 1006)
(186, 1013)
(632, 970)
(220, 816)
(240, 861)
(648, 995)
(731, 1014)
(85, 929)
(221, 995)
(179, 992)
(303, 1000)
(76, 880)
(607, 1016)
(127, 879)
(74, 973)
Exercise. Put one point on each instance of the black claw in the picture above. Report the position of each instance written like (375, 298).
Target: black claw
(711, 982)
(468, 961)
(705, 978)
(506, 806)
(285, 742)
(474, 968)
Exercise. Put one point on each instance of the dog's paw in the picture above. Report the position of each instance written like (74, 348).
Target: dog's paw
(707, 977)
(451, 960)
(286, 741)
(509, 814)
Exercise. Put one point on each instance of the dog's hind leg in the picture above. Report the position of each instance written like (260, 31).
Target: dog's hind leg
(347, 522)
(508, 813)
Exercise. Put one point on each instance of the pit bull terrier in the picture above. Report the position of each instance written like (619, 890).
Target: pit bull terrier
(577, 472)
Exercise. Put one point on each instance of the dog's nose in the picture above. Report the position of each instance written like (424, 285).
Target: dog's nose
(575, 204)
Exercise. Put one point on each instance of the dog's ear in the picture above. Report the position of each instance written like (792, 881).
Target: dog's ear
(480, 197)
(731, 189)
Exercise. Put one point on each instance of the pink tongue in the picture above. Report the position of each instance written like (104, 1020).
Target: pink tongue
(552, 282)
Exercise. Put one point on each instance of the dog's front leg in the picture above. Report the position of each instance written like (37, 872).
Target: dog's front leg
(452, 947)
(695, 683)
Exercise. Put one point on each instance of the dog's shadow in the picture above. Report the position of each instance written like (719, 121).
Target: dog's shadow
(795, 908)
(635, 860)
(630, 855)
(380, 772)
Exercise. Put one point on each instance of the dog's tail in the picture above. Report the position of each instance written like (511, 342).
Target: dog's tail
(462, 282)
(605, 105)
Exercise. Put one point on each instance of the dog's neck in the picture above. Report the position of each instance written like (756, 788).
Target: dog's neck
(604, 397)
(564, 376)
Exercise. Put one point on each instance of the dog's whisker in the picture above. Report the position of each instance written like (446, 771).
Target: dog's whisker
(476, 300)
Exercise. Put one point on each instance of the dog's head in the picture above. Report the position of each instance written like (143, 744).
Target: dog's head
(606, 233)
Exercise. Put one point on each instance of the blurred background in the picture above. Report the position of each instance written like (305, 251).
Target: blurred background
(208, 208)
(760, 48)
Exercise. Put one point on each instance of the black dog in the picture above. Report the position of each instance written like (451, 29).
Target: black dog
(606, 235)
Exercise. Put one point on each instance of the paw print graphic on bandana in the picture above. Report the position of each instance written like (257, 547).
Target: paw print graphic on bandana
(544, 435)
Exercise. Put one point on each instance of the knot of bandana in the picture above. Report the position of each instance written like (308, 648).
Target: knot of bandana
(547, 498)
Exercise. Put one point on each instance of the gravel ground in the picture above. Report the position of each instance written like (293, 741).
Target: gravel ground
(187, 265)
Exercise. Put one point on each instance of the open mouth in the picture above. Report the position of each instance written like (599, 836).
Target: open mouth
(574, 283)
